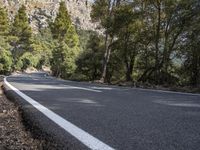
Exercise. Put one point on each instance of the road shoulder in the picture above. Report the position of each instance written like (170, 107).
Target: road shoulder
(13, 134)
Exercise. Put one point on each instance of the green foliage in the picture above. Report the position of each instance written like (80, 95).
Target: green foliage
(63, 62)
(28, 60)
(148, 38)
(4, 22)
(21, 26)
(100, 11)
(84, 37)
(116, 69)
(5, 54)
(29, 50)
(165, 24)
(67, 49)
(21, 35)
(42, 46)
(128, 29)
(62, 23)
(144, 41)
(89, 62)
(5, 61)
(190, 54)
(103, 12)
(72, 38)
(40, 54)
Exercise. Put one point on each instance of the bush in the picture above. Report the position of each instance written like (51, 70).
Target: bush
(28, 60)
(63, 60)
(5, 61)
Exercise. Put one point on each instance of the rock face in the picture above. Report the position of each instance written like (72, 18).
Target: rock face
(42, 11)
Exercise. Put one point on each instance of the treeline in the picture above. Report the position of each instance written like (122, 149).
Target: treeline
(56, 46)
(19, 47)
(150, 41)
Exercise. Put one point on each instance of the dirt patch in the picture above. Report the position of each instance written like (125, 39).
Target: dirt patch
(13, 135)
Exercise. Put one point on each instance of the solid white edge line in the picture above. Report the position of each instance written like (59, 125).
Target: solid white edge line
(84, 137)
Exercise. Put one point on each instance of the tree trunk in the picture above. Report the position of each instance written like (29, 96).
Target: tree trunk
(106, 59)
(129, 71)
(157, 42)
(195, 71)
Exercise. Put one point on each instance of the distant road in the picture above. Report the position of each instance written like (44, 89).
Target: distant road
(109, 117)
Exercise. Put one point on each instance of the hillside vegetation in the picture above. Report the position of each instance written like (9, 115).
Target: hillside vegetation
(149, 42)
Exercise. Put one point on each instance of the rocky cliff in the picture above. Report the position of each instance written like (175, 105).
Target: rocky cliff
(42, 11)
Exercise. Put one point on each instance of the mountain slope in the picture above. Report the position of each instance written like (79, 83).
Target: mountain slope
(42, 11)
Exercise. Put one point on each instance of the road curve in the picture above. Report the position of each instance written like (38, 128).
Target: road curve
(118, 118)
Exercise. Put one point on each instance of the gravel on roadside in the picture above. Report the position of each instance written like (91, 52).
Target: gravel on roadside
(13, 135)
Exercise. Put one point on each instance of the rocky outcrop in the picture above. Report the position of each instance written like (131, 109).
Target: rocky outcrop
(40, 12)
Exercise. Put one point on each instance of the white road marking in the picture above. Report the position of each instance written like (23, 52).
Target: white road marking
(101, 88)
(81, 88)
(180, 104)
(170, 92)
(84, 137)
(68, 87)
(35, 87)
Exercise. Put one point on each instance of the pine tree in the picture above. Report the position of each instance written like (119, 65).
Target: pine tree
(65, 54)
(21, 32)
(5, 55)
(21, 24)
(4, 22)
(89, 62)
(61, 24)
(5, 58)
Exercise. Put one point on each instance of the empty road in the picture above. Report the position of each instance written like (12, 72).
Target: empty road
(109, 117)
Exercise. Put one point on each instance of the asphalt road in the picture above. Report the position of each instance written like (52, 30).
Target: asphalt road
(123, 118)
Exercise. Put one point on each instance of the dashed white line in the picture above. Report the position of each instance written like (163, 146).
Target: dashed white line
(84, 137)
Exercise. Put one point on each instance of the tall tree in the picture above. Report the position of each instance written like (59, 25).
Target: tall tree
(67, 49)
(103, 12)
(4, 22)
(62, 23)
(190, 49)
(89, 62)
(128, 27)
(166, 21)
(153, 41)
(5, 54)
(5, 59)
(21, 31)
